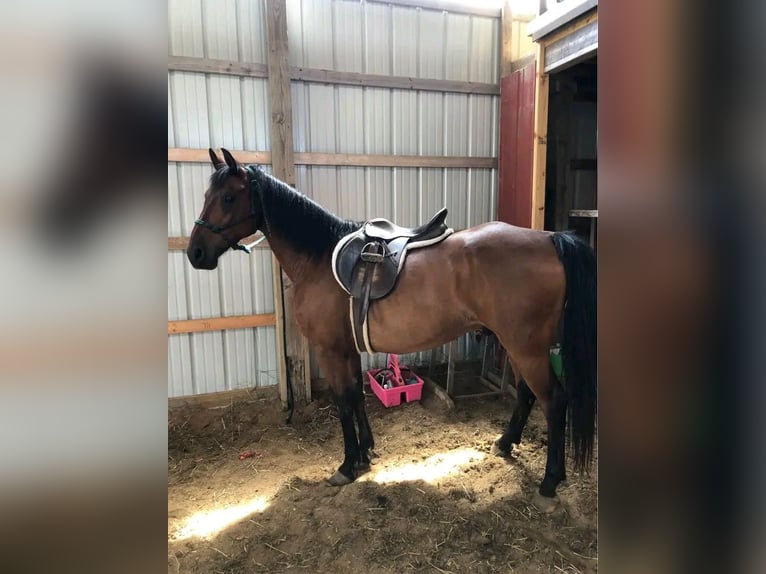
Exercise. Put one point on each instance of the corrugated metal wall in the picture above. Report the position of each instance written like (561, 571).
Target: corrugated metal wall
(344, 35)
(208, 110)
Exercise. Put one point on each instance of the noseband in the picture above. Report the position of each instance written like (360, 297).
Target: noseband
(219, 229)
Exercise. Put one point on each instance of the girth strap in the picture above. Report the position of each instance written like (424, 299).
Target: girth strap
(372, 254)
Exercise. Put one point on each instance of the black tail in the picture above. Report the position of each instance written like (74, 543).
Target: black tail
(578, 347)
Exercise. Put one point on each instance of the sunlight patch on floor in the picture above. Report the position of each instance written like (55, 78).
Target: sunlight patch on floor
(209, 522)
(431, 469)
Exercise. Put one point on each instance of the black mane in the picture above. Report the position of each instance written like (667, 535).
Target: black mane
(299, 220)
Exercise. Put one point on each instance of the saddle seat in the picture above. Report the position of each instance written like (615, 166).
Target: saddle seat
(367, 263)
(384, 229)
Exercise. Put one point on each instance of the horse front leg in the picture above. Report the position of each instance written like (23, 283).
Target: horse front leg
(345, 400)
(336, 367)
(366, 440)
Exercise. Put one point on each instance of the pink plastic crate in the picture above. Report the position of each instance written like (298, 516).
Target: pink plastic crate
(393, 397)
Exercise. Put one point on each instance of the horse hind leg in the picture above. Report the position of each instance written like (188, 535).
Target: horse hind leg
(555, 466)
(539, 377)
(525, 399)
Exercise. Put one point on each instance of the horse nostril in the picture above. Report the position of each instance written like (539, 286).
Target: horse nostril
(198, 254)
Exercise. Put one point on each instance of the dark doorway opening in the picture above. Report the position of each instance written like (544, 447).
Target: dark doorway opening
(571, 200)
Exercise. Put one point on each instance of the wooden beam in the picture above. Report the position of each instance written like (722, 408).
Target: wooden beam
(210, 66)
(316, 75)
(180, 243)
(220, 323)
(479, 395)
(224, 398)
(577, 46)
(540, 142)
(292, 343)
(571, 27)
(386, 160)
(199, 155)
(506, 43)
(342, 159)
(392, 82)
(456, 7)
(438, 391)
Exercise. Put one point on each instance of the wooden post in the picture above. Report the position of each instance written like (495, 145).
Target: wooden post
(451, 368)
(506, 43)
(283, 167)
(541, 141)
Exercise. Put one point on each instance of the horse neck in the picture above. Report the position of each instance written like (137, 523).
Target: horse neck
(298, 264)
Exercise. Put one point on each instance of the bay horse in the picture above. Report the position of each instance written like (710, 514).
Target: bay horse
(533, 289)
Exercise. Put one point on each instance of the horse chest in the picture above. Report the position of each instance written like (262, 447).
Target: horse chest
(316, 312)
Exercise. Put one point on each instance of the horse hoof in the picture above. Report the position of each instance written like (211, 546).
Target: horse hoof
(546, 504)
(339, 479)
(497, 450)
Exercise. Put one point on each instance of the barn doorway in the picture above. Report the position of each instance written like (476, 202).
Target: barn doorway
(571, 160)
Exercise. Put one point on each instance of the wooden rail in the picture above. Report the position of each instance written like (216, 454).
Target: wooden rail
(320, 76)
(220, 323)
(342, 159)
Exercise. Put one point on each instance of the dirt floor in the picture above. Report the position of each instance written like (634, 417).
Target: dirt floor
(435, 499)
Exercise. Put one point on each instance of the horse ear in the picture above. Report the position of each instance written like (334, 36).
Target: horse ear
(216, 161)
(230, 161)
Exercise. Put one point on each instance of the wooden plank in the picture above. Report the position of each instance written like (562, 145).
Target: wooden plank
(517, 103)
(489, 384)
(540, 142)
(220, 323)
(224, 398)
(392, 82)
(293, 344)
(454, 6)
(498, 382)
(509, 390)
(317, 75)
(200, 155)
(478, 395)
(180, 243)
(369, 160)
(575, 47)
(506, 38)
(431, 361)
(185, 155)
(210, 66)
(573, 26)
(279, 306)
(438, 391)
(451, 367)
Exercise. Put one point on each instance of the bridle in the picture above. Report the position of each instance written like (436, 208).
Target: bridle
(219, 229)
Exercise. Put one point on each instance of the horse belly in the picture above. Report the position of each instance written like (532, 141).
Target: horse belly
(425, 309)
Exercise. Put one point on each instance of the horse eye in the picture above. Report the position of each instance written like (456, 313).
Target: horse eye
(228, 198)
